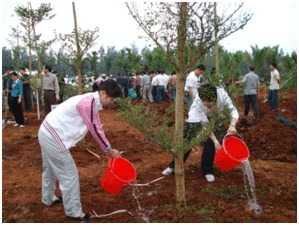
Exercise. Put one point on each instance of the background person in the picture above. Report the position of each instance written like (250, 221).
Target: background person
(251, 89)
(16, 100)
(274, 88)
(191, 84)
(50, 89)
(27, 91)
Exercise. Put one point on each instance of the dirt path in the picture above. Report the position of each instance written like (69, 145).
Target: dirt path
(221, 201)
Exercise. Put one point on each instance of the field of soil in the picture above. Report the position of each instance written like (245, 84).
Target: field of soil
(272, 145)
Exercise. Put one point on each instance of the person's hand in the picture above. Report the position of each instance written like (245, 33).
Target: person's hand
(19, 100)
(217, 145)
(231, 130)
(57, 98)
(114, 153)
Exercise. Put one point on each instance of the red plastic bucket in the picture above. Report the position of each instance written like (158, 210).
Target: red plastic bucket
(119, 173)
(233, 152)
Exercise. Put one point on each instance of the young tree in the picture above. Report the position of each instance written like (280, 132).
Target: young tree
(188, 29)
(77, 44)
(34, 17)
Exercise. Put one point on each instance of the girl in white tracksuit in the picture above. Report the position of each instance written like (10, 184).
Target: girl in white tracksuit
(62, 129)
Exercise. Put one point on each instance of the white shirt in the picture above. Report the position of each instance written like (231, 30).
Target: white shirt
(160, 80)
(166, 78)
(192, 81)
(154, 81)
(274, 85)
(199, 112)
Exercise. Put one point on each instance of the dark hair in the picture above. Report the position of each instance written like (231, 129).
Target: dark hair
(22, 68)
(48, 68)
(173, 72)
(201, 67)
(111, 87)
(273, 64)
(251, 68)
(14, 74)
(208, 92)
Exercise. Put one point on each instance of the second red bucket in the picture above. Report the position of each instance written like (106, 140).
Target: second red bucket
(233, 152)
(119, 173)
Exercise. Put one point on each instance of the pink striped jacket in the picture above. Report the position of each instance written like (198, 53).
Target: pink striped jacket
(69, 122)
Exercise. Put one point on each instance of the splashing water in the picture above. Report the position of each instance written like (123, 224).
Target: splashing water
(140, 211)
(249, 180)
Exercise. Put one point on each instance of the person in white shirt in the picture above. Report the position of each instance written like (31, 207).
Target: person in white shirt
(274, 88)
(62, 129)
(191, 84)
(166, 78)
(160, 80)
(208, 99)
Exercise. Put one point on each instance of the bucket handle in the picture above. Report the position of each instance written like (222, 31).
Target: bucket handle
(223, 145)
(111, 170)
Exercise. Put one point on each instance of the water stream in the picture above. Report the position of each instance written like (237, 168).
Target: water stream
(250, 188)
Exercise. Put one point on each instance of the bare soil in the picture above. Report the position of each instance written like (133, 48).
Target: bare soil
(273, 149)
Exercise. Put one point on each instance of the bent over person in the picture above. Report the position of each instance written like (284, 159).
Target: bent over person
(63, 128)
(208, 99)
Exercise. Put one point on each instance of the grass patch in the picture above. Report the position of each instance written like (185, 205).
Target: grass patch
(225, 192)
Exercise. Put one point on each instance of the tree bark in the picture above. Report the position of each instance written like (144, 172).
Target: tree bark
(179, 111)
(78, 63)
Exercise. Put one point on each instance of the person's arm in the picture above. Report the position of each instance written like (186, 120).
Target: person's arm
(216, 142)
(20, 88)
(56, 88)
(90, 116)
(190, 90)
(277, 77)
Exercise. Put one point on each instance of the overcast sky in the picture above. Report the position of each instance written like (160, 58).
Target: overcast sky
(273, 23)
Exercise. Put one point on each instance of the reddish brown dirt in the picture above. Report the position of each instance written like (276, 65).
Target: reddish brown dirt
(273, 158)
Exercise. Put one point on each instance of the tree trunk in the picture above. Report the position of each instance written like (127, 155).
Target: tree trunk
(29, 45)
(179, 111)
(39, 67)
(216, 43)
(78, 63)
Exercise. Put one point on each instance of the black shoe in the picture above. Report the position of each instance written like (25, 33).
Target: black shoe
(81, 219)
(59, 200)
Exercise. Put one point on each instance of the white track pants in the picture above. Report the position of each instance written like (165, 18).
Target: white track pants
(59, 165)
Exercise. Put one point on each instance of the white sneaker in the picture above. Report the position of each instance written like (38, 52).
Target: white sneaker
(167, 171)
(210, 177)
(22, 125)
(16, 125)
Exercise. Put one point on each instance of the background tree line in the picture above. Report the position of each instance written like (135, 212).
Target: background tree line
(129, 60)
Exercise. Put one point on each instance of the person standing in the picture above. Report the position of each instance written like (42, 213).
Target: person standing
(27, 91)
(191, 84)
(50, 89)
(146, 87)
(208, 100)
(172, 83)
(274, 88)
(161, 83)
(16, 100)
(251, 89)
(63, 128)
(7, 86)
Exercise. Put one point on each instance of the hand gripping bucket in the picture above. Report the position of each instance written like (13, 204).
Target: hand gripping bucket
(119, 173)
(233, 152)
